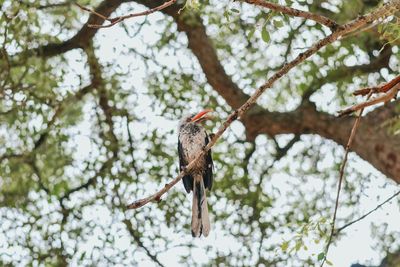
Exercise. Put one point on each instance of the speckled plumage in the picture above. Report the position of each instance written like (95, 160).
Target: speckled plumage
(192, 139)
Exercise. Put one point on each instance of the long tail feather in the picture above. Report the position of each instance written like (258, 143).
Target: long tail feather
(205, 219)
(196, 211)
(200, 218)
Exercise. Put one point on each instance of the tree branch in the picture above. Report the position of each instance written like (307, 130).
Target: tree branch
(97, 83)
(366, 214)
(139, 242)
(80, 40)
(119, 19)
(390, 88)
(58, 111)
(295, 12)
(36, 170)
(282, 151)
(85, 185)
(347, 28)
(378, 89)
(341, 176)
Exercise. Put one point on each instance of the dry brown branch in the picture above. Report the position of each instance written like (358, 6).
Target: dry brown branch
(378, 89)
(390, 88)
(366, 90)
(295, 12)
(118, 19)
(383, 11)
(93, 12)
(341, 175)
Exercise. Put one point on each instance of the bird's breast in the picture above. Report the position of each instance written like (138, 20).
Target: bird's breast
(193, 141)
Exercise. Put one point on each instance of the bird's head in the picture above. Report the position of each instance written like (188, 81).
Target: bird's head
(197, 118)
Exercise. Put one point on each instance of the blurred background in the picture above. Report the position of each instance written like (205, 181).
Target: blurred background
(88, 124)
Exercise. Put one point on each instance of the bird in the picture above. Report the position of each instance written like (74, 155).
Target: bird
(192, 139)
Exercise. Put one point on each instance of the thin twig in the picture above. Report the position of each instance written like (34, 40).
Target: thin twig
(341, 175)
(54, 5)
(366, 214)
(131, 147)
(36, 170)
(295, 12)
(118, 19)
(349, 27)
(378, 89)
(93, 12)
(136, 236)
(383, 98)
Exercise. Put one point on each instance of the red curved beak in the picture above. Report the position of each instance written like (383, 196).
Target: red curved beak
(202, 116)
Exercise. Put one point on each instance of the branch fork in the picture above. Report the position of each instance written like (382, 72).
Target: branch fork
(389, 90)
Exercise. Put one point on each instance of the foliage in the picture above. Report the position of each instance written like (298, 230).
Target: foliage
(72, 157)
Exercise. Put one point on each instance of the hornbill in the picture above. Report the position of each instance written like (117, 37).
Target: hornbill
(191, 141)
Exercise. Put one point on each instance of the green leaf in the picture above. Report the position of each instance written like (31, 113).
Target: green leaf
(329, 262)
(321, 256)
(320, 231)
(226, 15)
(278, 23)
(284, 246)
(299, 243)
(193, 4)
(235, 10)
(251, 33)
(265, 34)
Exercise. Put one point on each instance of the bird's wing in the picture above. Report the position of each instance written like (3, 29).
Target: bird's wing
(187, 179)
(208, 174)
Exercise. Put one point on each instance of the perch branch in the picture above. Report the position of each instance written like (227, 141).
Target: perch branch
(118, 19)
(353, 25)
